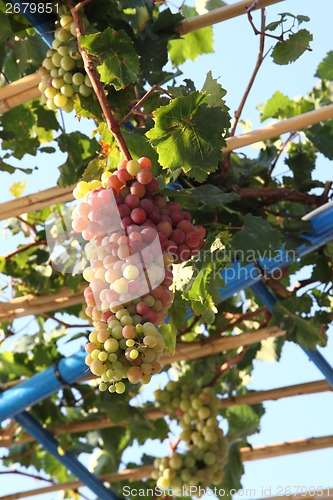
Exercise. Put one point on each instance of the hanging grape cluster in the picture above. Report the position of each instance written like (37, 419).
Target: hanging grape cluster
(63, 75)
(202, 464)
(134, 236)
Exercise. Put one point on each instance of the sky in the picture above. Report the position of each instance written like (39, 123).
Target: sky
(292, 418)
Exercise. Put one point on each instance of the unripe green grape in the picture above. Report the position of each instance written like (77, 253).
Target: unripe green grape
(41, 87)
(65, 22)
(102, 386)
(68, 78)
(112, 388)
(69, 106)
(62, 50)
(120, 387)
(54, 73)
(72, 29)
(43, 98)
(78, 79)
(57, 83)
(112, 357)
(176, 461)
(60, 100)
(51, 105)
(62, 35)
(95, 353)
(87, 81)
(67, 63)
(75, 54)
(55, 44)
(56, 59)
(103, 356)
(126, 320)
(48, 64)
(67, 90)
(111, 345)
(84, 90)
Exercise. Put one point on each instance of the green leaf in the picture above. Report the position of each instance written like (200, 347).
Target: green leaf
(257, 239)
(206, 197)
(290, 50)
(46, 118)
(17, 189)
(321, 136)
(80, 150)
(233, 471)
(276, 106)
(94, 170)
(204, 6)
(215, 93)
(120, 62)
(325, 68)
(305, 331)
(243, 420)
(169, 336)
(302, 161)
(191, 45)
(188, 134)
(9, 367)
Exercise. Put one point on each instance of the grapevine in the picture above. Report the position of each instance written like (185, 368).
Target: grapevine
(63, 74)
(201, 465)
(134, 236)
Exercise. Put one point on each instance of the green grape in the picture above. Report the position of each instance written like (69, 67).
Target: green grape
(78, 79)
(86, 92)
(67, 90)
(60, 100)
(67, 63)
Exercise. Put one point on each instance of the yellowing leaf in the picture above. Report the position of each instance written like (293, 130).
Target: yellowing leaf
(18, 188)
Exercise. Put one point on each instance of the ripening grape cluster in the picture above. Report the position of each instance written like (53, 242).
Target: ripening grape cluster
(63, 75)
(134, 236)
(196, 410)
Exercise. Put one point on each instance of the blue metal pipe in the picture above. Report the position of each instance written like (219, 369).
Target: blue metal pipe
(269, 300)
(42, 385)
(39, 20)
(33, 427)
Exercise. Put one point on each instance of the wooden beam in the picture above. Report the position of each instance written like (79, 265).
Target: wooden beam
(19, 92)
(221, 14)
(257, 453)
(154, 413)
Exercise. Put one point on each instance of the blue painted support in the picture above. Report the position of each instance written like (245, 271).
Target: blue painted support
(42, 385)
(269, 299)
(30, 424)
(38, 20)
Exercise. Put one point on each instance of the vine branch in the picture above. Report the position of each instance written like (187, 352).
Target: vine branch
(25, 247)
(259, 62)
(228, 364)
(97, 86)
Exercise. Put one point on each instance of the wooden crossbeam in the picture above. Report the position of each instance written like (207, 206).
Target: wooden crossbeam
(154, 413)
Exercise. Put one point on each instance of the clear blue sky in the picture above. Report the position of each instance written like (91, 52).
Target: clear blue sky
(293, 418)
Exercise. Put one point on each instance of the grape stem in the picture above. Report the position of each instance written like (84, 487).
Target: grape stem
(97, 86)
(173, 446)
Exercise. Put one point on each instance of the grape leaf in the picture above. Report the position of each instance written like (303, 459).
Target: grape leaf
(192, 44)
(304, 331)
(321, 136)
(188, 135)
(120, 62)
(325, 68)
(169, 336)
(215, 93)
(256, 238)
(80, 150)
(233, 471)
(94, 170)
(276, 106)
(202, 197)
(290, 50)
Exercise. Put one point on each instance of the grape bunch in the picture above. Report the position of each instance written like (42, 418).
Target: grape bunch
(195, 409)
(63, 75)
(133, 235)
